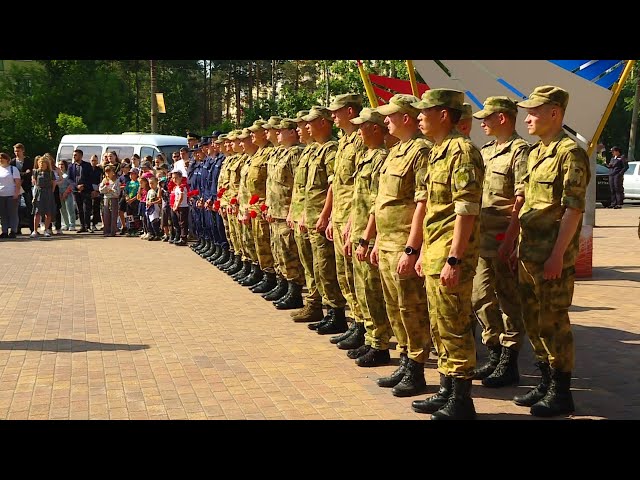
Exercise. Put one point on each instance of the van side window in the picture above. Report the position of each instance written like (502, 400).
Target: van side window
(144, 151)
(66, 153)
(88, 150)
(123, 151)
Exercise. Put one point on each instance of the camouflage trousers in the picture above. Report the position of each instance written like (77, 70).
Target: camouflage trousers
(285, 252)
(314, 297)
(496, 302)
(235, 234)
(344, 272)
(227, 231)
(262, 244)
(545, 311)
(406, 303)
(451, 328)
(368, 285)
(324, 269)
(248, 247)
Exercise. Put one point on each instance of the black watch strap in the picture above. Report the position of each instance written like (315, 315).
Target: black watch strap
(410, 250)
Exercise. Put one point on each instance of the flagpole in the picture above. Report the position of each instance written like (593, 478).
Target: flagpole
(373, 100)
(412, 78)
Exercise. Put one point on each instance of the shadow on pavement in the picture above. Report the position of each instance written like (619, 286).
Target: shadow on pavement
(67, 345)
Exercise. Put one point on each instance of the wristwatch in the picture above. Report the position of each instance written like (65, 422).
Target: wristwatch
(363, 243)
(453, 261)
(410, 250)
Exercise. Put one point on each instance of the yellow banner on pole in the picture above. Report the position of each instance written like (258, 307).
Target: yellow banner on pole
(160, 102)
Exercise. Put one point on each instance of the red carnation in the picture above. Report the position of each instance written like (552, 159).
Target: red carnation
(254, 199)
(233, 201)
(216, 205)
(221, 192)
(253, 214)
(193, 193)
(500, 237)
(263, 208)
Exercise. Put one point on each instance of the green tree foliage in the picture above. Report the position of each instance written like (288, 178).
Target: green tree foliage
(71, 124)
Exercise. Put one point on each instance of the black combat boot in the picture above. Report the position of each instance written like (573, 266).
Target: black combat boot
(223, 258)
(236, 266)
(198, 245)
(488, 368)
(538, 392)
(374, 358)
(212, 252)
(308, 313)
(558, 400)
(413, 382)
(267, 283)
(345, 335)
(358, 352)
(232, 260)
(435, 402)
(254, 277)
(204, 245)
(207, 250)
(506, 373)
(394, 379)
(243, 272)
(337, 323)
(325, 320)
(354, 340)
(459, 406)
(293, 298)
(278, 291)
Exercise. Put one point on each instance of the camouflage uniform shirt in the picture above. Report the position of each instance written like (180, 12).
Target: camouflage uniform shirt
(319, 178)
(349, 146)
(368, 166)
(280, 182)
(300, 181)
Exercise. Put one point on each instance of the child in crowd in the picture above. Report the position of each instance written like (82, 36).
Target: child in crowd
(110, 188)
(43, 200)
(181, 208)
(67, 205)
(131, 194)
(142, 206)
(175, 230)
(124, 180)
(153, 209)
(166, 206)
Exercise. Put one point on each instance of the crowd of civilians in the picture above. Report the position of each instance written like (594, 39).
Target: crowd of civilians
(134, 196)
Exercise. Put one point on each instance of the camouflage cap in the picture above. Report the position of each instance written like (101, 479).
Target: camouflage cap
(245, 133)
(400, 103)
(272, 122)
(441, 97)
(286, 124)
(257, 125)
(466, 111)
(232, 135)
(318, 112)
(299, 116)
(221, 138)
(368, 115)
(546, 94)
(345, 99)
(496, 104)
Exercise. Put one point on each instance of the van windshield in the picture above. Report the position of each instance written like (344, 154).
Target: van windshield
(167, 150)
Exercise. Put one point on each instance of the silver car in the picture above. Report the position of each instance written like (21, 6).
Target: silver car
(632, 181)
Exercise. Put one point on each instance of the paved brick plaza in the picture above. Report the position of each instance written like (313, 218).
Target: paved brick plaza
(90, 329)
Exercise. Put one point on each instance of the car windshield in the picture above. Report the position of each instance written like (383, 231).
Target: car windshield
(601, 169)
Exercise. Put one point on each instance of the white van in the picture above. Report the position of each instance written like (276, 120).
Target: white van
(124, 145)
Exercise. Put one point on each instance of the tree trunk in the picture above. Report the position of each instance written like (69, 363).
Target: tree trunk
(258, 81)
(250, 86)
(229, 78)
(634, 123)
(154, 105)
(326, 79)
(237, 84)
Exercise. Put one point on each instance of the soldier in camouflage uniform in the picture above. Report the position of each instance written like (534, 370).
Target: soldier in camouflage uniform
(216, 204)
(278, 203)
(231, 200)
(450, 250)
(466, 120)
(369, 293)
(317, 210)
(312, 310)
(250, 274)
(558, 173)
(495, 299)
(344, 108)
(399, 210)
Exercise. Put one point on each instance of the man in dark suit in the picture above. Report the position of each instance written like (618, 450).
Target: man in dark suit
(617, 166)
(81, 174)
(25, 165)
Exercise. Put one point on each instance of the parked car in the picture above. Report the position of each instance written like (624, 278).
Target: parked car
(632, 181)
(603, 193)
